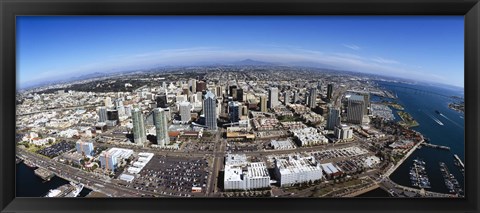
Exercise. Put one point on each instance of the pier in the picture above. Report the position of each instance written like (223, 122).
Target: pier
(459, 161)
(396, 189)
(44, 174)
(436, 146)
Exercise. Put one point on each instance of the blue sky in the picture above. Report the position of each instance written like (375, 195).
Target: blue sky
(416, 47)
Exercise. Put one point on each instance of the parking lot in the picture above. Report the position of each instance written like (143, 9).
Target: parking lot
(198, 146)
(57, 149)
(339, 153)
(243, 147)
(173, 176)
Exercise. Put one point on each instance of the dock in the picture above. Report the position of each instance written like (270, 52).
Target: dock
(459, 161)
(436, 146)
(44, 174)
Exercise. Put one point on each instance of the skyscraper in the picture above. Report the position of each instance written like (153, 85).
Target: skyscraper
(240, 94)
(230, 89)
(138, 127)
(333, 118)
(102, 114)
(108, 102)
(161, 100)
(356, 105)
(161, 126)
(273, 97)
(312, 100)
(329, 91)
(210, 111)
(286, 97)
(263, 103)
(366, 98)
(296, 96)
(233, 111)
(201, 86)
(218, 91)
(193, 85)
(185, 108)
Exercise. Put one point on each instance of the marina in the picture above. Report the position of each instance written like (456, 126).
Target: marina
(450, 181)
(418, 175)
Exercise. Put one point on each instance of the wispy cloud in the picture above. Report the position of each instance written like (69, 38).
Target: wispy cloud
(384, 61)
(352, 46)
(190, 56)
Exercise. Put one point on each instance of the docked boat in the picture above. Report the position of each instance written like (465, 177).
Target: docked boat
(451, 182)
(30, 164)
(67, 190)
(418, 174)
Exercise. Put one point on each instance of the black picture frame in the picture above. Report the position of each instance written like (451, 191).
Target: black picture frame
(9, 9)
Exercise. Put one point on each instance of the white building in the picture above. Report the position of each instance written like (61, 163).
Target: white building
(282, 145)
(185, 108)
(273, 97)
(243, 175)
(331, 170)
(343, 132)
(143, 159)
(295, 169)
(85, 148)
(309, 136)
(110, 159)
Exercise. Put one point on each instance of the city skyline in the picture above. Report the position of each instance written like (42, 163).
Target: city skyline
(425, 48)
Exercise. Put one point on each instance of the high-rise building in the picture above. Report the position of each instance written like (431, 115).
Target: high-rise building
(366, 98)
(118, 103)
(84, 148)
(329, 91)
(109, 159)
(286, 97)
(102, 114)
(128, 110)
(343, 132)
(273, 97)
(201, 86)
(210, 111)
(108, 102)
(193, 85)
(161, 126)
(244, 111)
(234, 93)
(230, 89)
(333, 118)
(240, 94)
(233, 111)
(161, 100)
(139, 135)
(218, 91)
(112, 115)
(296, 96)
(312, 100)
(356, 105)
(263, 103)
(185, 108)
